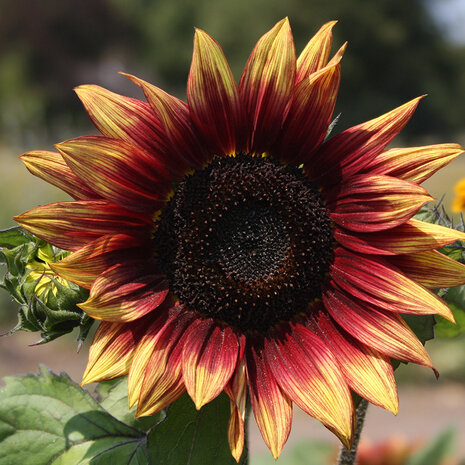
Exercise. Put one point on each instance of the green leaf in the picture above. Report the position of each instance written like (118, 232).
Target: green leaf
(456, 296)
(435, 452)
(113, 397)
(455, 299)
(47, 419)
(445, 328)
(421, 325)
(12, 237)
(187, 436)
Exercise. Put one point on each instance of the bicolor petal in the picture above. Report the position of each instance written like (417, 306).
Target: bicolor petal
(184, 143)
(432, 269)
(168, 312)
(213, 97)
(414, 164)
(382, 330)
(375, 203)
(271, 407)
(375, 281)
(237, 392)
(367, 371)
(51, 167)
(112, 349)
(316, 53)
(162, 381)
(71, 225)
(119, 172)
(128, 119)
(309, 114)
(85, 265)
(309, 374)
(347, 153)
(208, 360)
(121, 117)
(126, 292)
(407, 238)
(266, 86)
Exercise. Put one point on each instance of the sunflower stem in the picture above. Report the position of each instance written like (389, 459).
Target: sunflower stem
(245, 453)
(348, 456)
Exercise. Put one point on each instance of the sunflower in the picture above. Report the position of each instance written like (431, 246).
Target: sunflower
(458, 204)
(229, 247)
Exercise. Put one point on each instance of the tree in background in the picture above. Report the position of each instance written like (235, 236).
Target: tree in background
(396, 50)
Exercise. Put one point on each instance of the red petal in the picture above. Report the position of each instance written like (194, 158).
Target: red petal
(310, 114)
(271, 407)
(85, 265)
(237, 392)
(120, 172)
(309, 374)
(175, 119)
(127, 119)
(208, 360)
(71, 225)
(367, 371)
(162, 383)
(266, 86)
(213, 96)
(415, 164)
(112, 349)
(350, 151)
(374, 203)
(166, 314)
(51, 167)
(384, 331)
(376, 281)
(431, 269)
(126, 292)
(316, 53)
(407, 238)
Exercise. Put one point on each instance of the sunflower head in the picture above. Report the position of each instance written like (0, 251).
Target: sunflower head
(229, 245)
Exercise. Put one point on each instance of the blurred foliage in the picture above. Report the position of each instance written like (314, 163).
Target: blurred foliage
(396, 52)
(394, 451)
(455, 296)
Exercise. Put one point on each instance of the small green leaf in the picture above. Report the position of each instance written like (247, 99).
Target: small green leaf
(435, 452)
(445, 328)
(456, 296)
(188, 436)
(421, 325)
(12, 237)
(47, 419)
(113, 397)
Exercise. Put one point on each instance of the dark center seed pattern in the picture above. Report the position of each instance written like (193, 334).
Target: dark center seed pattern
(247, 241)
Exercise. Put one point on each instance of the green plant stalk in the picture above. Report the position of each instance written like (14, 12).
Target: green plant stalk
(348, 456)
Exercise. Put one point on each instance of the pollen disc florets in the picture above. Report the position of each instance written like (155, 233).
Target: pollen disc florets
(246, 240)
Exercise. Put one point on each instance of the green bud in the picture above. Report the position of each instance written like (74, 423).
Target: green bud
(48, 303)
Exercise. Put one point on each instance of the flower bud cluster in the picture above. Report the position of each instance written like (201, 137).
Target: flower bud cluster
(48, 303)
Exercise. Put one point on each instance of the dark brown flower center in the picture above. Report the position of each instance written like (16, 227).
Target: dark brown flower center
(246, 240)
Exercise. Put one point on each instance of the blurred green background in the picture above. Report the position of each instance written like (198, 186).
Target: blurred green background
(398, 49)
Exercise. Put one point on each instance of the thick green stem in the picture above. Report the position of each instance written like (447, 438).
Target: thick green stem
(245, 453)
(346, 456)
